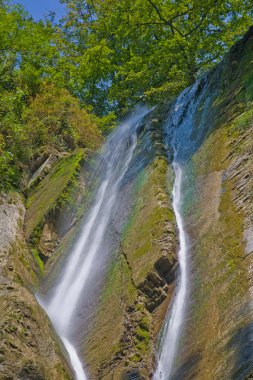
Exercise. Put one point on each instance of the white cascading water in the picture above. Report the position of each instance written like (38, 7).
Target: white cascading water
(179, 131)
(174, 323)
(76, 273)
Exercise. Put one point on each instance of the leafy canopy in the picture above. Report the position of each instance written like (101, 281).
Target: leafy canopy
(124, 50)
(62, 85)
(35, 108)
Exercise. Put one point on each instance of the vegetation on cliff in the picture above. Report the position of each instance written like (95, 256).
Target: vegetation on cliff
(35, 110)
(57, 81)
(62, 86)
(139, 281)
(52, 122)
(218, 215)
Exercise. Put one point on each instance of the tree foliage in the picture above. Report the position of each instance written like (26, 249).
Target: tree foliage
(63, 84)
(35, 108)
(54, 118)
(148, 49)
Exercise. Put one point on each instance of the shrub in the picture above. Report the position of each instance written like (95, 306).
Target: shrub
(55, 118)
(9, 173)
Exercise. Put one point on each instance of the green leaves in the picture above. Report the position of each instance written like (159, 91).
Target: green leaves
(59, 82)
(8, 169)
(113, 53)
(153, 48)
(54, 118)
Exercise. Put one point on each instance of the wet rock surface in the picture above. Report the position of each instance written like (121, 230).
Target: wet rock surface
(28, 347)
(143, 272)
(122, 329)
(218, 194)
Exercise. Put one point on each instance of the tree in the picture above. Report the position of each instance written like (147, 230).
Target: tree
(54, 118)
(35, 109)
(152, 49)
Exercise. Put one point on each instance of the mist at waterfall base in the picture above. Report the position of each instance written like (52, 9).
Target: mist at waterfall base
(72, 282)
(183, 140)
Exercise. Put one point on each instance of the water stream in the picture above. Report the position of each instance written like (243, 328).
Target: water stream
(174, 323)
(184, 136)
(71, 284)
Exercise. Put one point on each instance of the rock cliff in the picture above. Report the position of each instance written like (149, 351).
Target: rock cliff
(218, 212)
(121, 335)
(28, 347)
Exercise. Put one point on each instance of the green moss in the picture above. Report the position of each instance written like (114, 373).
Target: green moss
(242, 122)
(142, 334)
(135, 358)
(249, 87)
(61, 372)
(51, 189)
(103, 338)
(145, 324)
(142, 338)
(147, 223)
(220, 282)
(38, 259)
(139, 183)
(24, 262)
(36, 233)
(119, 275)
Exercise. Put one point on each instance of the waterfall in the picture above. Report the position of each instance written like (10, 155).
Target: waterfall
(175, 319)
(72, 282)
(182, 140)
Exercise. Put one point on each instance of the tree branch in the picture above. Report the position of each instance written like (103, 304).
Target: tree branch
(166, 22)
(196, 27)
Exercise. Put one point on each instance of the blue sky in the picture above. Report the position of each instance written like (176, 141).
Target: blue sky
(40, 8)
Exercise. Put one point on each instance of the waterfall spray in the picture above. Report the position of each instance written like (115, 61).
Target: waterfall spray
(70, 286)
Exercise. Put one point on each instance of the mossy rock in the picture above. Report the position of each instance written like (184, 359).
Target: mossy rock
(50, 190)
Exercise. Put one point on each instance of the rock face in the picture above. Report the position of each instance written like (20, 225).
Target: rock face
(123, 327)
(28, 348)
(32, 232)
(121, 339)
(12, 212)
(51, 192)
(218, 194)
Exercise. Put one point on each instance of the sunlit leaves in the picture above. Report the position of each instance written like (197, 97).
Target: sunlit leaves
(155, 47)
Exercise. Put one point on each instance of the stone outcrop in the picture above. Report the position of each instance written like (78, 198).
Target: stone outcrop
(218, 212)
(28, 347)
(123, 326)
(140, 281)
